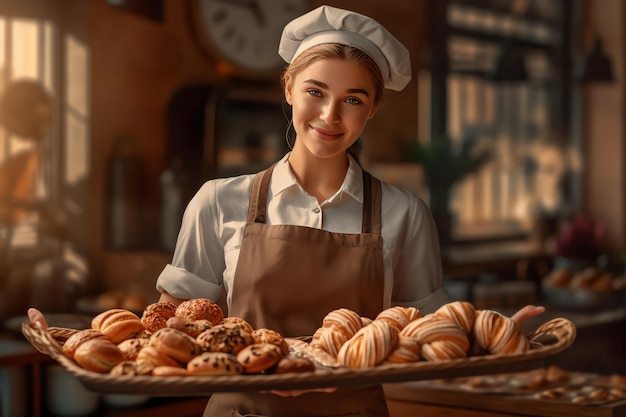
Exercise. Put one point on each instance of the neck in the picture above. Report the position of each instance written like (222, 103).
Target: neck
(320, 177)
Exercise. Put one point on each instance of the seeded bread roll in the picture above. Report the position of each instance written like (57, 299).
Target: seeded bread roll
(259, 357)
(156, 357)
(214, 363)
(228, 338)
(155, 315)
(192, 328)
(264, 335)
(131, 347)
(200, 309)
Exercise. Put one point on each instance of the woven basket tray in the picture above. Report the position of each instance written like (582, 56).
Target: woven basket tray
(551, 338)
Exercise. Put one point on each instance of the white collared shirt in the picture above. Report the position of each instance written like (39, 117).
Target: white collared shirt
(210, 237)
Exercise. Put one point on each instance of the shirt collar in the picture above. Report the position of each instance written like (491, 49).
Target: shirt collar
(283, 178)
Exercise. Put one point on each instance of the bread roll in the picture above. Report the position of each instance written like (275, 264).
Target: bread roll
(80, 337)
(175, 344)
(98, 355)
(200, 309)
(155, 315)
(117, 324)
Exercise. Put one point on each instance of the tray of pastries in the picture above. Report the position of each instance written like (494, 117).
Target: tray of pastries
(192, 349)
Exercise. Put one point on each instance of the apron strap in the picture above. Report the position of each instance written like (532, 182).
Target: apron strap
(372, 193)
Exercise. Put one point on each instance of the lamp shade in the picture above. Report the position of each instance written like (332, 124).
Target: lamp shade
(596, 66)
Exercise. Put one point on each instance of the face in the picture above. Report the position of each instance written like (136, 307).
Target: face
(332, 100)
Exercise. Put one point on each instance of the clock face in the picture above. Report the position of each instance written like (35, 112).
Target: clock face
(246, 32)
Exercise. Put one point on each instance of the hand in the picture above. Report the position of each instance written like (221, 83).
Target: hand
(36, 316)
(296, 393)
(527, 312)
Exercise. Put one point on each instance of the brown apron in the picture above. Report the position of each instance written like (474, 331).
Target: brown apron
(287, 279)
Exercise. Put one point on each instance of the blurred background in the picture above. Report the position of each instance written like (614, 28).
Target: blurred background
(113, 112)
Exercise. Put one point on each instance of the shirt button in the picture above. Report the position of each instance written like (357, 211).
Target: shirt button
(316, 210)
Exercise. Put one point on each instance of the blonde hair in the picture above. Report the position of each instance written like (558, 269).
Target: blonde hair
(335, 50)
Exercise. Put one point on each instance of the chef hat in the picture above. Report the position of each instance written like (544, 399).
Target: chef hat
(332, 25)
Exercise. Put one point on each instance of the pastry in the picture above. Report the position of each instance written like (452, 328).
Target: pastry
(264, 335)
(98, 355)
(169, 371)
(78, 338)
(399, 316)
(132, 368)
(440, 338)
(259, 357)
(214, 363)
(369, 346)
(496, 333)
(175, 344)
(131, 347)
(156, 357)
(155, 315)
(558, 278)
(192, 328)
(200, 309)
(293, 364)
(338, 327)
(117, 324)
(229, 338)
(406, 350)
(460, 312)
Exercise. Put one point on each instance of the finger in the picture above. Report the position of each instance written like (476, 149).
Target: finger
(36, 316)
(527, 312)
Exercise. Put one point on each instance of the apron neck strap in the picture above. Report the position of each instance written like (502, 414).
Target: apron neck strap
(372, 193)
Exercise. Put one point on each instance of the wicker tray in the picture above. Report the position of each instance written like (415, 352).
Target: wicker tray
(550, 338)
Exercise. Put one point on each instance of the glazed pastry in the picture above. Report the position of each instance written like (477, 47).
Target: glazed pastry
(460, 312)
(155, 315)
(117, 324)
(214, 363)
(98, 355)
(369, 346)
(259, 357)
(192, 328)
(228, 338)
(496, 333)
(440, 338)
(293, 364)
(264, 335)
(78, 338)
(200, 309)
(337, 328)
(132, 368)
(399, 316)
(406, 350)
(175, 344)
(131, 347)
(156, 357)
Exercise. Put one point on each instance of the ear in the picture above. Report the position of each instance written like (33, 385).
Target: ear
(288, 88)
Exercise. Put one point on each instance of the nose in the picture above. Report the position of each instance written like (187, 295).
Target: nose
(330, 113)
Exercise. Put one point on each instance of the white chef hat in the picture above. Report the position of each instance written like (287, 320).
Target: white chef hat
(328, 24)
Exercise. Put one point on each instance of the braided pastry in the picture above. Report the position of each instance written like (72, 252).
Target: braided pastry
(369, 346)
(460, 312)
(496, 333)
(440, 338)
(399, 316)
(337, 328)
(407, 349)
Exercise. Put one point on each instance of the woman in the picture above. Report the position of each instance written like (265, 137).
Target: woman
(314, 232)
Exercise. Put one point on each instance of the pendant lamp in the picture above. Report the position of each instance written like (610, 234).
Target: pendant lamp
(596, 66)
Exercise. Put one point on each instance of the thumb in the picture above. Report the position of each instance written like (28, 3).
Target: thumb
(36, 316)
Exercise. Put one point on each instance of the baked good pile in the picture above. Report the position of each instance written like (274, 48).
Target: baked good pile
(402, 335)
(194, 338)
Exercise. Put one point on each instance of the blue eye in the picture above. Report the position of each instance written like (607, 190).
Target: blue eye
(353, 100)
(314, 92)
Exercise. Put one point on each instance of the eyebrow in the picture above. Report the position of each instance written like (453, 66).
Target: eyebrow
(350, 90)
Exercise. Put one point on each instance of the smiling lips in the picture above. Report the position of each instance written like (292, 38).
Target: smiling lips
(326, 134)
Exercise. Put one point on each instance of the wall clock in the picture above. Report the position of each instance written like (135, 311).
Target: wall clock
(245, 33)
